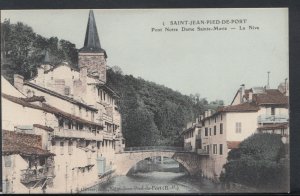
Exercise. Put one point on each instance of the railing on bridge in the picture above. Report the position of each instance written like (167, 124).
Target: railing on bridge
(152, 148)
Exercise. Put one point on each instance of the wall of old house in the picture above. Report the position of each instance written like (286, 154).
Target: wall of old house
(12, 174)
(15, 115)
(248, 122)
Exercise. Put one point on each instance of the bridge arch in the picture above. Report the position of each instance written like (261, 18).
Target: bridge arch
(125, 161)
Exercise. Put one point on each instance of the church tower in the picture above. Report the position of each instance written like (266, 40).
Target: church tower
(92, 57)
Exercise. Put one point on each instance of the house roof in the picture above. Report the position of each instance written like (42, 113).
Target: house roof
(92, 41)
(62, 64)
(243, 107)
(233, 144)
(46, 128)
(50, 109)
(271, 96)
(273, 126)
(107, 88)
(45, 90)
(23, 144)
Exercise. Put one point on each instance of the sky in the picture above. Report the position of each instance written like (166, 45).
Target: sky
(211, 63)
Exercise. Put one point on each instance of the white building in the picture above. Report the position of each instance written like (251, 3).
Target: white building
(252, 110)
(75, 114)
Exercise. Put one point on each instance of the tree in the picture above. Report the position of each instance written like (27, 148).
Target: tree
(259, 162)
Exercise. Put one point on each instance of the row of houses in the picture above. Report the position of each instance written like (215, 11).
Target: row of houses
(254, 110)
(62, 128)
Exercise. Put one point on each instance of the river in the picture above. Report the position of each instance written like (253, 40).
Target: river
(155, 182)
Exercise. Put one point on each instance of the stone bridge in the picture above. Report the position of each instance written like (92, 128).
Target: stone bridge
(132, 155)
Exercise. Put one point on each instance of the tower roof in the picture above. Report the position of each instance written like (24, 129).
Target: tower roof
(92, 41)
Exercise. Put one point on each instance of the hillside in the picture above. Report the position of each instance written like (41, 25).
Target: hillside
(152, 114)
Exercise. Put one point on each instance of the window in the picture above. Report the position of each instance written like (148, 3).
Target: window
(207, 148)
(221, 149)
(206, 131)
(215, 130)
(67, 90)
(79, 111)
(238, 127)
(221, 128)
(53, 143)
(61, 148)
(70, 124)
(215, 119)
(70, 147)
(61, 122)
(221, 117)
(272, 111)
(215, 150)
(209, 131)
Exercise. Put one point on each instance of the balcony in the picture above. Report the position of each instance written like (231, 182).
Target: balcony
(108, 135)
(107, 118)
(272, 119)
(34, 175)
(78, 134)
(202, 151)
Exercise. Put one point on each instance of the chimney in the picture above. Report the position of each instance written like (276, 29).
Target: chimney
(250, 96)
(209, 113)
(286, 85)
(83, 74)
(41, 75)
(242, 93)
(201, 117)
(18, 82)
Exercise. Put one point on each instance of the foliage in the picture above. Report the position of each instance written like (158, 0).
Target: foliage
(259, 162)
(22, 50)
(153, 114)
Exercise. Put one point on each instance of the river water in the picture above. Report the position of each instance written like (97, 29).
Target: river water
(155, 182)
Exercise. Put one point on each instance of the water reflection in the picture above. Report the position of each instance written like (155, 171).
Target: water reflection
(151, 177)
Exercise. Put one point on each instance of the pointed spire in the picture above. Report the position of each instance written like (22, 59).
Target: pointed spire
(91, 41)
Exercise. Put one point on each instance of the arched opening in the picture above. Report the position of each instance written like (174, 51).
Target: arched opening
(158, 164)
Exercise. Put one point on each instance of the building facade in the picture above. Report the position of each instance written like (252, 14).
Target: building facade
(251, 111)
(75, 114)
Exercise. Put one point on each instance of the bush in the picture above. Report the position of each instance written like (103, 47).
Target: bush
(259, 162)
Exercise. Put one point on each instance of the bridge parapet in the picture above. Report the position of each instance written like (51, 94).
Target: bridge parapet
(155, 148)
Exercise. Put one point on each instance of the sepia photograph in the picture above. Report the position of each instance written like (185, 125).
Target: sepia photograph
(192, 100)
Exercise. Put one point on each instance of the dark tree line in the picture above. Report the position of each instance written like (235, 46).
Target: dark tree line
(153, 114)
(22, 50)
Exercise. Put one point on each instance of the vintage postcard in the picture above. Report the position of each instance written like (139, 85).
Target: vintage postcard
(145, 100)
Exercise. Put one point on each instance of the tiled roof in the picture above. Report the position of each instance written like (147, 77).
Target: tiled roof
(50, 109)
(271, 96)
(243, 107)
(60, 96)
(273, 126)
(46, 128)
(233, 144)
(23, 144)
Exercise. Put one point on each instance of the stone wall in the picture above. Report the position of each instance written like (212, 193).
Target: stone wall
(95, 63)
